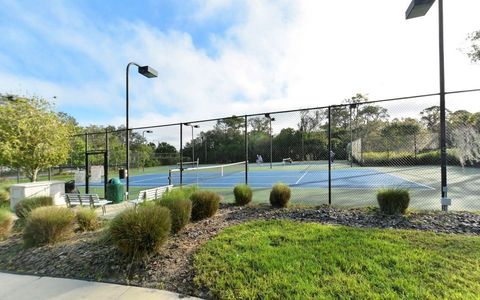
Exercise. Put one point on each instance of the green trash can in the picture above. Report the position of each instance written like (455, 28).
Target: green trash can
(115, 190)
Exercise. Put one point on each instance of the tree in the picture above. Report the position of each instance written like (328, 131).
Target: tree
(474, 53)
(33, 136)
(259, 124)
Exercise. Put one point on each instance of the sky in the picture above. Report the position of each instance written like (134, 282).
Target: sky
(218, 58)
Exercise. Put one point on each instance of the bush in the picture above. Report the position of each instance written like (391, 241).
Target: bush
(204, 204)
(180, 212)
(141, 231)
(393, 201)
(243, 194)
(86, 219)
(280, 195)
(4, 197)
(25, 206)
(6, 223)
(179, 193)
(48, 225)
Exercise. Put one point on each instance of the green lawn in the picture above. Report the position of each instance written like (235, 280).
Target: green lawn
(291, 260)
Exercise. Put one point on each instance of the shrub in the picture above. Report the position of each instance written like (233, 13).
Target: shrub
(180, 212)
(86, 219)
(6, 223)
(141, 231)
(25, 206)
(280, 195)
(4, 197)
(48, 225)
(204, 204)
(393, 201)
(179, 193)
(243, 194)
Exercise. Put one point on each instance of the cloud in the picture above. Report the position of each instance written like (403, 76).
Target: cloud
(273, 55)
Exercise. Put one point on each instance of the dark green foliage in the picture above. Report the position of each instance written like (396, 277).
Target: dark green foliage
(86, 219)
(392, 158)
(180, 212)
(204, 204)
(280, 195)
(6, 222)
(48, 225)
(393, 201)
(25, 206)
(139, 232)
(243, 194)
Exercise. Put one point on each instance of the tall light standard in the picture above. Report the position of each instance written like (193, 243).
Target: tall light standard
(419, 8)
(271, 137)
(149, 73)
(143, 135)
(193, 141)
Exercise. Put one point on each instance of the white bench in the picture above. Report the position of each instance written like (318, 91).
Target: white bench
(91, 200)
(151, 194)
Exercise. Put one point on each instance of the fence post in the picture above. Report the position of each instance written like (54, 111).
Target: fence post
(181, 154)
(329, 156)
(106, 157)
(246, 150)
(87, 183)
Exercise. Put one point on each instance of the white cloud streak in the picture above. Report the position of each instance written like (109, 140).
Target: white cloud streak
(280, 55)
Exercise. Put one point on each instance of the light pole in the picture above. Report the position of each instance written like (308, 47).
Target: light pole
(271, 137)
(193, 141)
(149, 73)
(143, 135)
(419, 8)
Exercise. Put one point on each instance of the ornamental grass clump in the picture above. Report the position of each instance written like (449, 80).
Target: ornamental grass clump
(280, 195)
(48, 225)
(393, 201)
(86, 219)
(180, 212)
(243, 194)
(4, 197)
(179, 193)
(204, 204)
(6, 223)
(142, 231)
(25, 206)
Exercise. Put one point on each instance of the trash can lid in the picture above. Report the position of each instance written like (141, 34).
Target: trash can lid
(115, 181)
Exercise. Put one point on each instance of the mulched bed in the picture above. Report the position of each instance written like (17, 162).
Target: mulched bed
(90, 256)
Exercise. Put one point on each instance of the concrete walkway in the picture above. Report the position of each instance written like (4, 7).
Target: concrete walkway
(26, 287)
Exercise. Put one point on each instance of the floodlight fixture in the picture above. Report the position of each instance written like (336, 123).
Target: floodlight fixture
(418, 8)
(147, 71)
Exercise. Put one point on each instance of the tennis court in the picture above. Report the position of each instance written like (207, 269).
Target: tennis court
(351, 186)
(295, 175)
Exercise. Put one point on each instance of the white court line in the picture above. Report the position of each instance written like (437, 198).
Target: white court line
(414, 182)
(299, 179)
(149, 179)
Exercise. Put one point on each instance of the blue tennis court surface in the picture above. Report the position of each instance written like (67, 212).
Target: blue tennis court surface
(341, 178)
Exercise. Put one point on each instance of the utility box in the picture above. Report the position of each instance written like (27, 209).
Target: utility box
(54, 189)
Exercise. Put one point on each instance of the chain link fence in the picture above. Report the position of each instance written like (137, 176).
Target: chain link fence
(339, 155)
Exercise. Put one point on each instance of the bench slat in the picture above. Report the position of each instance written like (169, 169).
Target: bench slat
(91, 200)
(150, 194)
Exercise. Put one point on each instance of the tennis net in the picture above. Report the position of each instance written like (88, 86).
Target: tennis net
(212, 174)
(189, 164)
